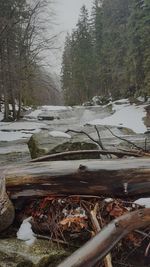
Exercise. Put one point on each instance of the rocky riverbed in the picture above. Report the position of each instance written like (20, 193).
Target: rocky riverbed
(45, 131)
(47, 123)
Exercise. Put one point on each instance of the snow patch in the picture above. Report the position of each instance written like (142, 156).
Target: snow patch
(145, 202)
(18, 126)
(19, 130)
(25, 232)
(59, 134)
(126, 115)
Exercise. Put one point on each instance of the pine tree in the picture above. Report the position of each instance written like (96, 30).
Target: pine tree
(139, 52)
(97, 39)
(78, 86)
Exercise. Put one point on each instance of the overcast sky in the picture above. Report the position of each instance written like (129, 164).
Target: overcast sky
(67, 13)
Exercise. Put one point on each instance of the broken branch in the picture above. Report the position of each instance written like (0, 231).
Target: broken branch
(99, 246)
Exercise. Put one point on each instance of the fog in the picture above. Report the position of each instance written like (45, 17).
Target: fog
(67, 13)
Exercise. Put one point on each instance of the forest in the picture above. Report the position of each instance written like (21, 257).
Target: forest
(23, 38)
(75, 146)
(108, 53)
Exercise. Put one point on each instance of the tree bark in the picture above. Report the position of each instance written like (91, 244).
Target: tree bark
(120, 178)
(7, 212)
(98, 247)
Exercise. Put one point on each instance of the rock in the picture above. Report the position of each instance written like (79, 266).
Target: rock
(43, 143)
(15, 253)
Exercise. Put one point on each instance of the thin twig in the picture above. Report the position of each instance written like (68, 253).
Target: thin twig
(100, 141)
(123, 139)
(55, 240)
(82, 132)
(142, 233)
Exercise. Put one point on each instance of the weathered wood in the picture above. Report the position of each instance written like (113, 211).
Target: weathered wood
(65, 155)
(7, 212)
(128, 177)
(98, 247)
(97, 229)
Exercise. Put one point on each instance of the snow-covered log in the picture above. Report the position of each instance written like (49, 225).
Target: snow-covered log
(123, 177)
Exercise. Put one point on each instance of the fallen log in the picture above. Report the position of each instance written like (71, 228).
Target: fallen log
(7, 212)
(98, 247)
(121, 178)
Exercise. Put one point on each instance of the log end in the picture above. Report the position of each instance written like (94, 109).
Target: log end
(7, 213)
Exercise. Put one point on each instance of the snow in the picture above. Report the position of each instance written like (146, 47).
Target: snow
(87, 115)
(122, 101)
(18, 126)
(56, 108)
(108, 200)
(25, 232)
(19, 130)
(125, 115)
(143, 202)
(34, 114)
(59, 134)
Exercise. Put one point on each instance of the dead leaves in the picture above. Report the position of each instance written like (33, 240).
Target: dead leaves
(69, 218)
(116, 209)
(75, 223)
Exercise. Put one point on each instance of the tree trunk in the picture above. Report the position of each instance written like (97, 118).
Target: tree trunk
(4, 78)
(121, 178)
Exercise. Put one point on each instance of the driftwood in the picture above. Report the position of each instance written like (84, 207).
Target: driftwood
(64, 155)
(7, 212)
(128, 177)
(98, 247)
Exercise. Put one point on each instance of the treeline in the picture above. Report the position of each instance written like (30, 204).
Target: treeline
(23, 37)
(108, 53)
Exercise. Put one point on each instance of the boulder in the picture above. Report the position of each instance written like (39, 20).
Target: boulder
(43, 143)
(15, 253)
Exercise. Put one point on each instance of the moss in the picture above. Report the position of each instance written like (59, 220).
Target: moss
(15, 253)
(74, 146)
(40, 145)
(54, 259)
(34, 149)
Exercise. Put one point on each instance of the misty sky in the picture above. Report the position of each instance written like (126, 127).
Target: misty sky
(67, 13)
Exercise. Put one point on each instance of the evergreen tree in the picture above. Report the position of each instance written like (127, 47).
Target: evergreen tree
(139, 49)
(97, 35)
(110, 53)
(78, 85)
